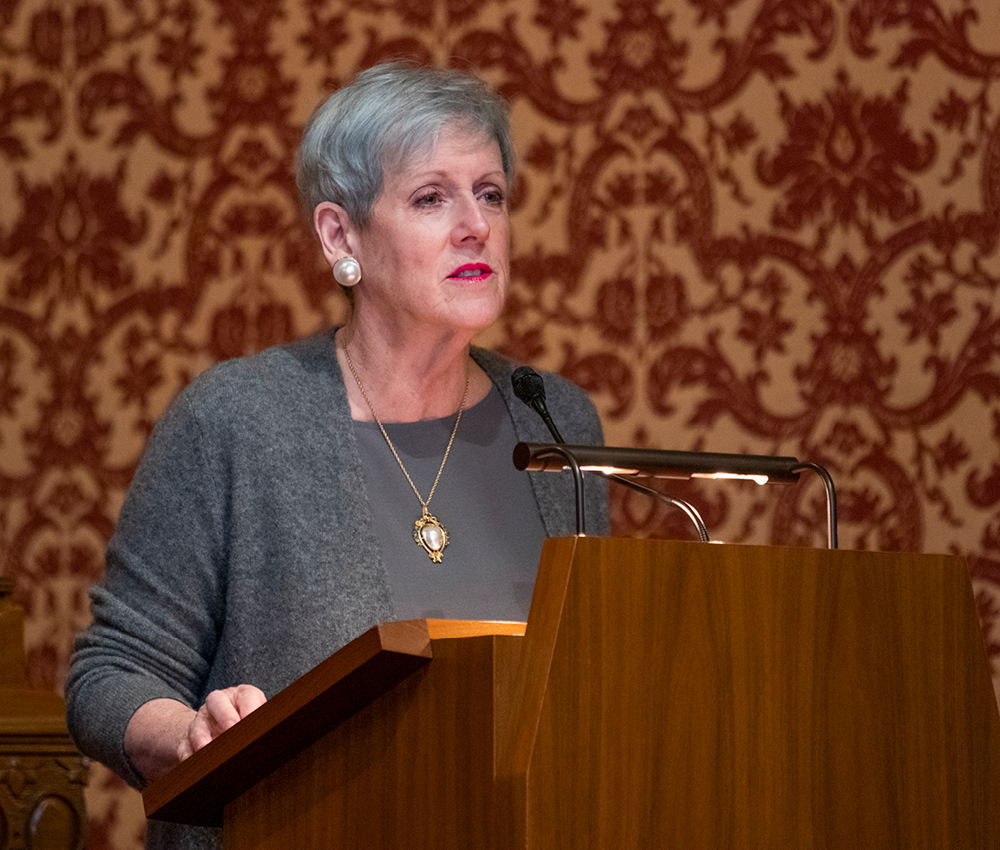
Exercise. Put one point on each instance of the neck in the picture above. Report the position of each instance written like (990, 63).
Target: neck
(407, 380)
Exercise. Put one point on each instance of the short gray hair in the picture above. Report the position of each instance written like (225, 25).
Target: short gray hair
(387, 114)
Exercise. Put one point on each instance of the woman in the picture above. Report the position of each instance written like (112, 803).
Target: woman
(289, 501)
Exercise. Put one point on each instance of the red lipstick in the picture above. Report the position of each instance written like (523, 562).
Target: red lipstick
(472, 271)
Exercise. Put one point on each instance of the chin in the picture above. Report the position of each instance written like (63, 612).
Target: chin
(475, 324)
(478, 313)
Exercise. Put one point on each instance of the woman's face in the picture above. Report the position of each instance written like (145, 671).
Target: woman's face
(435, 254)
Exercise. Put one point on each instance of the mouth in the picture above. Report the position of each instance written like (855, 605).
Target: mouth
(471, 271)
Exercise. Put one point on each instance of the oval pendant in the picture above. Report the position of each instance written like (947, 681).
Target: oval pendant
(431, 535)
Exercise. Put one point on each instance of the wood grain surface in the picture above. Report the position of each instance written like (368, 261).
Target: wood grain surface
(197, 789)
(663, 694)
(413, 769)
(730, 696)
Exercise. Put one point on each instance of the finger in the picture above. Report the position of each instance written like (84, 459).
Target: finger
(202, 729)
(221, 711)
(248, 698)
(197, 736)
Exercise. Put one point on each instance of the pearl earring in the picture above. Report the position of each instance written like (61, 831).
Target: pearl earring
(347, 271)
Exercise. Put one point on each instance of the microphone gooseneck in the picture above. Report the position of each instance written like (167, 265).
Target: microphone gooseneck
(530, 388)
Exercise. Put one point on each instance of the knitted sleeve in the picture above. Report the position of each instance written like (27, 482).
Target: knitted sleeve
(158, 613)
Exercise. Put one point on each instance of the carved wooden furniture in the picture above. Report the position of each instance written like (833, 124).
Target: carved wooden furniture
(663, 695)
(42, 775)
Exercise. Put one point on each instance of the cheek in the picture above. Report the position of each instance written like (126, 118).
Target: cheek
(385, 258)
(502, 246)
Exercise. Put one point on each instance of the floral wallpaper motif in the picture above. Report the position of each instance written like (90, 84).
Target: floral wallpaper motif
(763, 226)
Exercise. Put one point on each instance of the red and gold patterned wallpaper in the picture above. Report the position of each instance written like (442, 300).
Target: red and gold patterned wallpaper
(763, 226)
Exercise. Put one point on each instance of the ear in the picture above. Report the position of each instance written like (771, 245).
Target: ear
(336, 233)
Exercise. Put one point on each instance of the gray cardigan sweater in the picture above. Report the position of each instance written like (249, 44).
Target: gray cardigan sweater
(245, 550)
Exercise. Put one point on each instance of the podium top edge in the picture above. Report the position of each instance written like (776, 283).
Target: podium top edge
(443, 629)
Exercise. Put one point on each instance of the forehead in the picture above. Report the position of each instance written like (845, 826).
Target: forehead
(458, 142)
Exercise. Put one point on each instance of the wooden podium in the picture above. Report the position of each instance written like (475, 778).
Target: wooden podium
(662, 695)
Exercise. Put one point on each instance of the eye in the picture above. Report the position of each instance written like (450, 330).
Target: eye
(428, 199)
(494, 197)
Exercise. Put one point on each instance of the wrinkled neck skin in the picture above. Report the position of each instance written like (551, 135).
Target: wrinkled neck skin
(410, 374)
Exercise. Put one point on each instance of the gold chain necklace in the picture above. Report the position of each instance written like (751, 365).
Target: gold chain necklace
(428, 532)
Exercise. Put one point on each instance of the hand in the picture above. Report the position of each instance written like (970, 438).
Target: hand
(163, 732)
(222, 709)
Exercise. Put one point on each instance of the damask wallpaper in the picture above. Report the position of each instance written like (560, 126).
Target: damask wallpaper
(763, 226)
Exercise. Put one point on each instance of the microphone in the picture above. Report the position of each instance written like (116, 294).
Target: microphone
(529, 387)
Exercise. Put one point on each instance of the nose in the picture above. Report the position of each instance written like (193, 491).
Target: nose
(471, 224)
